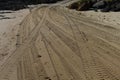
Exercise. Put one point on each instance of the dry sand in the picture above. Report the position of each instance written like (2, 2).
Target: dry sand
(111, 18)
(60, 44)
(9, 30)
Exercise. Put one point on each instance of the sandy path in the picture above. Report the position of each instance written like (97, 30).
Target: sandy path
(63, 46)
(9, 25)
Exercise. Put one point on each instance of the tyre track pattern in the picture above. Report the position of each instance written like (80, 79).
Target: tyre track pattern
(12, 60)
(103, 73)
(65, 48)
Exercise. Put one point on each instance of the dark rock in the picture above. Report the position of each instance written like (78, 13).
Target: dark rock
(20, 4)
(118, 6)
(115, 7)
(99, 5)
(106, 9)
(11, 5)
(85, 6)
(81, 6)
(104, 5)
(74, 5)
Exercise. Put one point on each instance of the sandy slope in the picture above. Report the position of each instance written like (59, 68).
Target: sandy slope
(55, 43)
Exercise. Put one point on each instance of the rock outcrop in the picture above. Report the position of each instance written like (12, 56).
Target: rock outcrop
(103, 5)
(19, 4)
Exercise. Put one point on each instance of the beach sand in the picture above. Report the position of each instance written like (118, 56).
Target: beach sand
(111, 18)
(9, 25)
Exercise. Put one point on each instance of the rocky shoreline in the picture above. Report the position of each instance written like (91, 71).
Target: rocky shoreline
(102, 5)
(9, 26)
(20, 4)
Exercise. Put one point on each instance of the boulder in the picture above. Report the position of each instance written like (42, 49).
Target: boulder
(20, 4)
(84, 6)
(74, 5)
(99, 4)
(106, 9)
(115, 7)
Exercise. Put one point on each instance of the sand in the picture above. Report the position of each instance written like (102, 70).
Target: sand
(111, 18)
(9, 21)
(59, 44)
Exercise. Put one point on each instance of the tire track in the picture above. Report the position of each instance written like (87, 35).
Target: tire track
(68, 56)
(63, 47)
(87, 57)
(5, 67)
